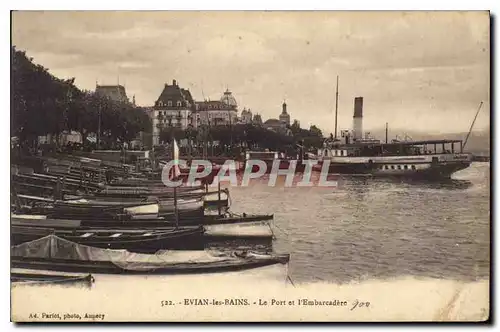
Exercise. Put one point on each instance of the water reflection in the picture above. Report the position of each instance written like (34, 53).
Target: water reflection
(445, 184)
(364, 184)
(380, 226)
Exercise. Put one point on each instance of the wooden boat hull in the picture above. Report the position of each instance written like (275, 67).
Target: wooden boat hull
(101, 209)
(110, 210)
(141, 241)
(219, 220)
(145, 224)
(418, 167)
(106, 267)
(169, 221)
(146, 193)
(137, 182)
(258, 232)
(214, 204)
(43, 278)
(283, 165)
(157, 191)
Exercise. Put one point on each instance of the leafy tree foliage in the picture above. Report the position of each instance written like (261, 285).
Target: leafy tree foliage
(231, 140)
(43, 104)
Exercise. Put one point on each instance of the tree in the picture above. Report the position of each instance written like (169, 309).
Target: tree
(295, 127)
(168, 132)
(315, 131)
(83, 116)
(39, 100)
(43, 104)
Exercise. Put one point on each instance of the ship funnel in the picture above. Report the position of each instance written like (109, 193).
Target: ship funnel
(358, 118)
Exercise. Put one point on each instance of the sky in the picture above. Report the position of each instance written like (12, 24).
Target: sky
(418, 71)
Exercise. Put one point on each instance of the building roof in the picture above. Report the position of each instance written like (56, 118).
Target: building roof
(174, 93)
(283, 108)
(228, 99)
(257, 118)
(214, 105)
(273, 122)
(246, 112)
(113, 92)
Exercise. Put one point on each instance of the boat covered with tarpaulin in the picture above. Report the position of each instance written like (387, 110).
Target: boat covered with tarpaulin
(55, 253)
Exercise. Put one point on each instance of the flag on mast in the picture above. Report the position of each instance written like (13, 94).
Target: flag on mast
(176, 172)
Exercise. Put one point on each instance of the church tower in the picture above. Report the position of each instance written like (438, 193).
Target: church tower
(284, 116)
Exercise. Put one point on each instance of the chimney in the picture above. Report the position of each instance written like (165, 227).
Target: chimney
(358, 118)
(174, 82)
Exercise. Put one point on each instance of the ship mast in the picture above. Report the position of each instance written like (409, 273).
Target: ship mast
(472, 125)
(336, 106)
(174, 157)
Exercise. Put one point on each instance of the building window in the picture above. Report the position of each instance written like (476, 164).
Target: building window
(386, 167)
(169, 103)
(413, 167)
(392, 166)
(399, 166)
(179, 104)
(406, 167)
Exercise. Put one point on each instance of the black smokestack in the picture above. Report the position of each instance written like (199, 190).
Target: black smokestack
(358, 107)
(358, 118)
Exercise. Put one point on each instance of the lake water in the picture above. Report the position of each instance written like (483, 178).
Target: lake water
(416, 251)
(378, 228)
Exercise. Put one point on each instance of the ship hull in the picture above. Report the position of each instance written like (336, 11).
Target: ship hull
(422, 167)
(283, 164)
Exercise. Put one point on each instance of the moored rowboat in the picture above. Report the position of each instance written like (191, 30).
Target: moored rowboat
(33, 277)
(134, 240)
(68, 256)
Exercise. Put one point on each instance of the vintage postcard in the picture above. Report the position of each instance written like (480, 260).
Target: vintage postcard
(264, 166)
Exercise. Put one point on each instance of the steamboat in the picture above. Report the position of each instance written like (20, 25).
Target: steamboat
(418, 159)
(357, 155)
